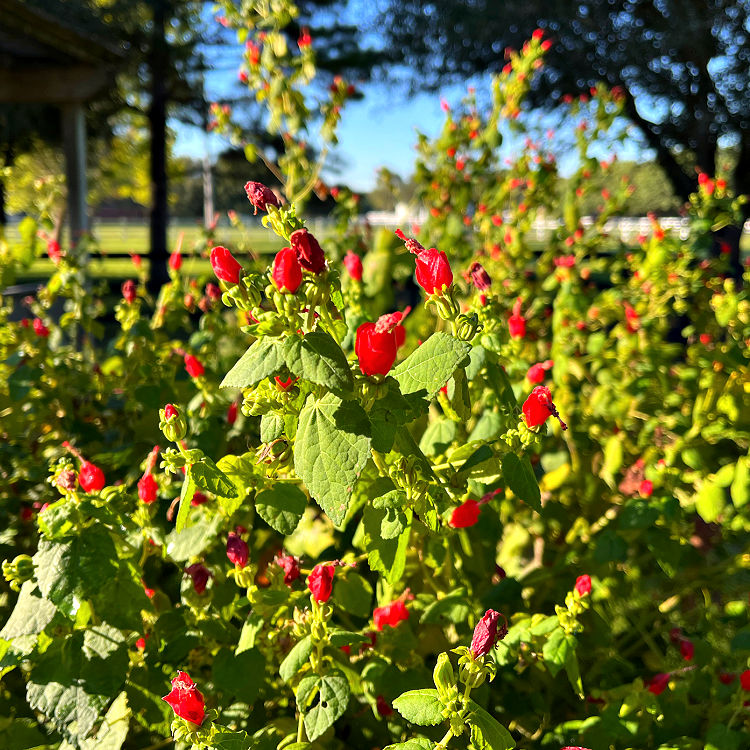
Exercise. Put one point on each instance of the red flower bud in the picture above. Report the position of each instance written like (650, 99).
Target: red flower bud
(391, 614)
(200, 575)
(516, 322)
(186, 700)
(54, 251)
(745, 680)
(90, 477)
(727, 678)
(40, 329)
(687, 649)
(237, 550)
(198, 499)
(320, 582)
(487, 634)
(287, 271)
(260, 196)
(383, 707)
(658, 683)
(479, 277)
(129, 291)
(290, 565)
(147, 489)
(170, 411)
(377, 344)
(434, 273)
(646, 488)
(583, 585)
(193, 366)
(140, 644)
(309, 253)
(466, 514)
(213, 291)
(538, 406)
(232, 413)
(353, 264)
(175, 260)
(284, 385)
(225, 265)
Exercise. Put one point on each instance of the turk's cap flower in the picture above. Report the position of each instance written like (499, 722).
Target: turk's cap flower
(186, 700)
(539, 406)
(320, 582)
(260, 196)
(488, 632)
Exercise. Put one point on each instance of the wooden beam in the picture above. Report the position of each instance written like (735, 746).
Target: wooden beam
(51, 85)
(74, 146)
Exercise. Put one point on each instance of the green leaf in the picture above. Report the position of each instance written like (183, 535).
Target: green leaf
(429, 366)
(353, 594)
(346, 638)
(194, 540)
(239, 675)
(386, 556)
(444, 677)
(416, 743)
(453, 608)
(241, 473)
(70, 572)
(438, 436)
(296, 659)
(487, 733)
(75, 679)
(209, 477)
(114, 728)
(186, 495)
(271, 427)
(318, 358)
(488, 427)
(572, 669)
(555, 651)
(421, 707)
(281, 507)
(225, 739)
(519, 476)
(30, 616)
(250, 629)
(395, 519)
(332, 693)
(264, 358)
(330, 451)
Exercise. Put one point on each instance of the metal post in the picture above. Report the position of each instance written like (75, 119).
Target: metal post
(74, 146)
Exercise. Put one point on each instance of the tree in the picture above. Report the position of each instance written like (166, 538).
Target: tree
(683, 64)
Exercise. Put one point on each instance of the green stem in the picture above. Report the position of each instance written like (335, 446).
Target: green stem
(301, 728)
(446, 739)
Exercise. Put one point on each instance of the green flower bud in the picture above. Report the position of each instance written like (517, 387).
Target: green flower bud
(172, 423)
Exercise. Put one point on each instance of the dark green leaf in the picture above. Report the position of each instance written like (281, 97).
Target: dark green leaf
(296, 658)
(186, 495)
(555, 651)
(210, 478)
(31, 614)
(353, 594)
(318, 358)
(386, 556)
(519, 476)
(239, 675)
(322, 699)
(264, 358)
(487, 733)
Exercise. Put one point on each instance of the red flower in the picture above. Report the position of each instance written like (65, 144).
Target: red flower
(175, 260)
(285, 384)
(727, 678)
(213, 291)
(320, 582)
(487, 633)
(260, 196)
(129, 291)
(54, 252)
(170, 411)
(377, 344)
(658, 683)
(687, 649)
(90, 477)
(40, 329)
(353, 264)
(479, 277)
(646, 488)
(536, 372)
(237, 550)
(745, 680)
(287, 271)
(516, 322)
(290, 565)
(434, 273)
(200, 575)
(466, 514)
(583, 585)
(632, 319)
(309, 253)
(147, 489)
(186, 700)
(538, 406)
(225, 265)
(391, 614)
(193, 366)
(140, 644)
(305, 40)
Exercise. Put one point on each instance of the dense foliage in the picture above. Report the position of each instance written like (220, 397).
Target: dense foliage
(515, 515)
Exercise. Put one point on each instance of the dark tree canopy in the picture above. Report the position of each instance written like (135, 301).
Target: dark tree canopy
(685, 64)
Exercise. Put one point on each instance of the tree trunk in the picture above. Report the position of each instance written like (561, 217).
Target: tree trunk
(157, 115)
